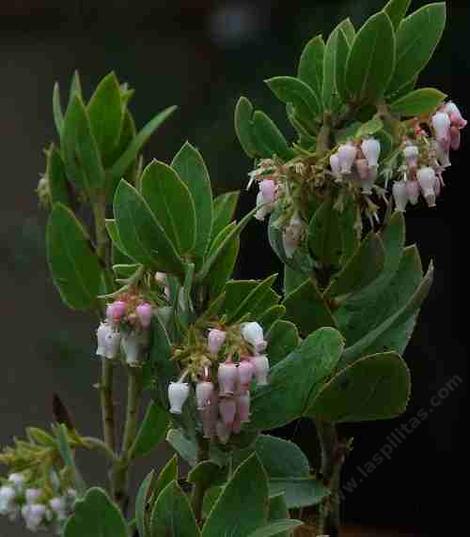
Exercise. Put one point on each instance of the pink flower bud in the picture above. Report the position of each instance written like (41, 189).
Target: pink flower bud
(227, 410)
(400, 195)
(215, 340)
(227, 377)
(204, 393)
(209, 418)
(362, 167)
(335, 166)
(108, 341)
(291, 235)
(427, 180)
(455, 138)
(144, 313)
(412, 189)
(245, 374)
(455, 115)
(346, 155)
(178, 392)
(371, 150)
(243, 407)
(441, 125)
(261, 366)
(115, 311)
(411, 154)
(267, 187)
(222, 431)
(252, 333)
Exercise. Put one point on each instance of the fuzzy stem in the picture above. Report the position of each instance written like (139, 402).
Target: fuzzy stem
(332, 456)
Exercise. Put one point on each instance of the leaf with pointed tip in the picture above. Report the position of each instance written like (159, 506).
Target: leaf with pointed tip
(294, 380)
(160, 365)
(372, 388)
(95, 516)
(191, 169)
(224, 211)
(238, 291)
(75, 268)
(223, 268)
(310, 68)
(362, 268)
(372, 60)
(172, 515)
(207, 474)
(417, 37)
(418, 102)
(151, 432)
(55, 172)
(269, 138)
(251, 303)
(184, 446)
(142, 503)
(247, 494)
(307, 309)
(271, 316)
(277, 528)
(120, 167)
(244, 126)
(298, 491)
(396, 10)
(167, 474)
(342, 52)
(324, 235)
(57, 109)
(106, 114)
(142, 236)
(293, 90)
(171, 203)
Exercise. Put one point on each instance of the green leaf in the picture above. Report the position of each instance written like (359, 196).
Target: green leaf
(207, 474)
(310, 68)
(245, 494)
(293, 90)
(251, 303)
(238, 291)
(361, 269)
(152, 431)
(298, 491)
(307, 309)
(277, 508)
(283, 338)
(370, 127)
(281, 458)
(295, 380)
(74, 266)
(244, 126)
(183, 445)
(269, 138)
(170, 201)
(396, 10)
(63, 444)
(417, 37)
(162, 368)
(106, 114)
(113, 233)
(292, 279)
(191, 169)
(324, 235)
(55, 172)
(276, 528)
(130, 154)
(418, 102)
(167, 474)
(223, 268)
(142, 236)
(394, 332)
(57, 109)
(75, 86)
(142, 503)
(80, 151)
(372, 60)
(372, 388)
(224, 211)
(95, 516)
(271, 315)
(172, 515)
(342, 52)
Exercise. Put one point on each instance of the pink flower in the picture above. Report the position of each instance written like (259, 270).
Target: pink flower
(227, 376)
(427, 181)
(209, 417)
(455, 115)
(441, 125)
(265, 198)
(243, 407)
(400, 195)
(222, 431)
(116, 311)
(227, 410)
(215, 340)
(204, 393)
(412, 189)
(362, 167)
(411, 154)
(261, 366)
(144, 313)
(442, 154)
(346, 155)
(454, 138)
(245, 374)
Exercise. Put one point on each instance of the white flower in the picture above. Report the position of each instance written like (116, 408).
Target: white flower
(400, 195)
(427, 182)
(108, 341)
(261, 366)
(59, 507)
(371, 150)
(131, 344)
(253, 334)
(346, 155)
(32, 495)
(34, 515)
(7, 500)
(178, 392)
(335, 166)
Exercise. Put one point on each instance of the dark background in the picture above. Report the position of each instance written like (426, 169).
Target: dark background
(202, 56)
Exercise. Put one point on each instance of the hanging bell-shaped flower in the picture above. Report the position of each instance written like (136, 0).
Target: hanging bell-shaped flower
(227, 376)
(412, 189)
(346, 155)
(227, 410)
(253, 334)
(144, 314)
(178, 392)
(243, 407)
(245, 374)
(215, 340)
(371, 149)
(131, 344)
(261, 367)
(400, 195)
(108, 340)
(204, 393)
(427, 181)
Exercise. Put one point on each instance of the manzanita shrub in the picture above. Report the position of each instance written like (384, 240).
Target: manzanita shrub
(149, 250)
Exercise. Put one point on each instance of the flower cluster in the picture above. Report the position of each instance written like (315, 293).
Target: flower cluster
(222, 368)
(125, 327)
(425, 156)
(41, 508)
